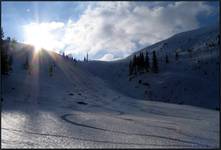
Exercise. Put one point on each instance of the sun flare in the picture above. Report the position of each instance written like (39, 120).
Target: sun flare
(38, 36)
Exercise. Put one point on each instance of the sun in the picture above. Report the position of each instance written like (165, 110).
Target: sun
(38, 36)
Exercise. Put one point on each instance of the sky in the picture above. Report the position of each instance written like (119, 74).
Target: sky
(105, 30)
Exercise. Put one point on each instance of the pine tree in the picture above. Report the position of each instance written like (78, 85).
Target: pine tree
(10, 61)
(50, 70)
(155, 68)
(167, 59)
(4, 56)
(2, 34)
(176, 56)
(130, 68)
(142, 62)
(26, 64)
(135, 64)
(8, 39)
(147, 63)
(63, 55)
(190, 52)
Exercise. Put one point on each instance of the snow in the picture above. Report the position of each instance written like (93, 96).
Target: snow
(190, 80)
(79, 108)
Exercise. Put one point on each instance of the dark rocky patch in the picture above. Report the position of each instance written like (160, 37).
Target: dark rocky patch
(140, 81)
(146, 84)
(71, 94)
(82, 103)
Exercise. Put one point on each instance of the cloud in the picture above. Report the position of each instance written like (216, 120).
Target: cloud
(107, 57)
(122, 27)
(109, 30)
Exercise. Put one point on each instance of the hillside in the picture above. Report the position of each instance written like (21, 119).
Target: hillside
(193, 79)
(58, 103)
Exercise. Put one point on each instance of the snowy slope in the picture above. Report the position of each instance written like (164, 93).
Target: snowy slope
(190, 80)
(77, 108)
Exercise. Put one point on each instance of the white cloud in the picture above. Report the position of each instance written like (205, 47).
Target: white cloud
(119, 27)
(107, 30)
(107, 57)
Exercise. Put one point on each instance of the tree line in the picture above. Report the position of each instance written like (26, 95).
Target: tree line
(141, 63)
(6, 55)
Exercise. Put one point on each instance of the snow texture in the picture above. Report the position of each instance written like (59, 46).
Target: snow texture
(94, 105)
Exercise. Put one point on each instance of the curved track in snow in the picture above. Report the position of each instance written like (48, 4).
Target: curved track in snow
(65, 118)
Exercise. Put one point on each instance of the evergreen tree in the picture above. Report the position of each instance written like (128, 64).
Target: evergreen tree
(26, 64)
(8, 39)
(50, 70)
(176, 56)
(130, 68)
(4, 61)
(135, 64)
(5, 67)
(10, 61)
(75, 61)
(147, 64)
(167, 59)
(63, 55)
(2, 34)
(30, 68)
(142, 62)
(155, 68)
(190, 52)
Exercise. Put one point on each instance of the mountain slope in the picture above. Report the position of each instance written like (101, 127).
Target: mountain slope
(71, 107)
(192, 80)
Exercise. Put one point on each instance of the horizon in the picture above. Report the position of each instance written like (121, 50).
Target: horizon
(62, 31)
(60, 53)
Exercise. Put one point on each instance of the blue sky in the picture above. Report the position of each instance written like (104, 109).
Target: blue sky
(106, 30)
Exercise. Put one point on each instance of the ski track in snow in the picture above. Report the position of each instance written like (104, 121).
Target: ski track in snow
(78, 109)
(65, 117)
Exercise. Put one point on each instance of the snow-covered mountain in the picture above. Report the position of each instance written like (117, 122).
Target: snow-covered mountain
(63, 104)
(192, 80)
